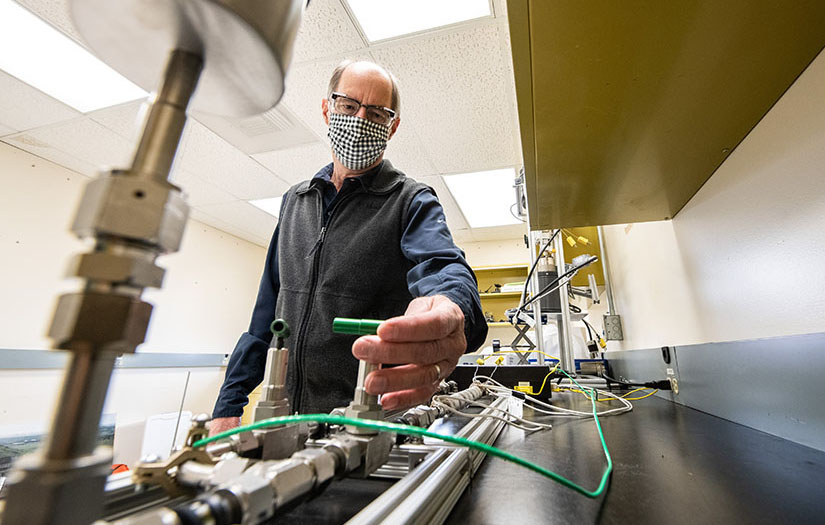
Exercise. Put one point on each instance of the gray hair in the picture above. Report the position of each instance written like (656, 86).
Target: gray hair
(395, 101)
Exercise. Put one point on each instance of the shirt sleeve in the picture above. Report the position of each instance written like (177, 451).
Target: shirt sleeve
(246, 364)
(440, 267)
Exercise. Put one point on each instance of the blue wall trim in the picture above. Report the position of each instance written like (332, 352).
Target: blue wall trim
(54, 359)
(776, 385)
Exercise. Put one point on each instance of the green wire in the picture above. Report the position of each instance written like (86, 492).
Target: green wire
(385, 426)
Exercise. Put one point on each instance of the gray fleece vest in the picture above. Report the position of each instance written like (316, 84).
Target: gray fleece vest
(352, 267)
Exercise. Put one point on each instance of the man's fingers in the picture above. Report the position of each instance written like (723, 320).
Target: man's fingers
(407, 398)
(375, 350)
(407, 377)
(441, 321)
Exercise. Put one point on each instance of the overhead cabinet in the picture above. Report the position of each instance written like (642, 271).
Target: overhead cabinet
(627, 107)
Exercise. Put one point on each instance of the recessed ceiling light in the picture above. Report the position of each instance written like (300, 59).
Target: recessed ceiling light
(485, 197)
(271, 205)
(382, 19)
(45, 58)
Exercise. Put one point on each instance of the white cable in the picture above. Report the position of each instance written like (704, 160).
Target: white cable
(437, 400)
(493, 416)
(552, 410)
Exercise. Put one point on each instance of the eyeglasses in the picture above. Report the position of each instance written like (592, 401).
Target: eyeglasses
(349, 106)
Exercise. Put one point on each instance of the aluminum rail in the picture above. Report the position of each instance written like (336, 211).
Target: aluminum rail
(423, 495)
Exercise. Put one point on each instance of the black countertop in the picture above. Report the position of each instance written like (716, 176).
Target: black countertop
(672, 464)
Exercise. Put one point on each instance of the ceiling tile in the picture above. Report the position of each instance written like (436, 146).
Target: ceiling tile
(198, 191)
(56, 12)
(81, 138)
(46, 151)
(205, 218)
(277, 128)
(23, 107)
(124, 119)
(496, 233)
(296, 164)
(243, 216)
(455, 93)
(306, 87)
(407, 153)
(455, 219)
(326, 30)
(209, 157)
(5, 131)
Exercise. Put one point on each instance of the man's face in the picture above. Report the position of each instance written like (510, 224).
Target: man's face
(368, 85)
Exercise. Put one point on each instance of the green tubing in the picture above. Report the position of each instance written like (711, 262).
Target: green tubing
(279, 328)
(342, 325)
(385, 426)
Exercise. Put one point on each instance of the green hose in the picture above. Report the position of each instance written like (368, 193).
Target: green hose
(385, 426)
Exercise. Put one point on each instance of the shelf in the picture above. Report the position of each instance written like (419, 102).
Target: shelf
(500, 295)
(627, 108)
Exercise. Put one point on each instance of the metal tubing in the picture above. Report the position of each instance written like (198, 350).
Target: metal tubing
(77, 418)
(535, 238)
(167, 117)
(421, 496)
(361, 396)
(275, 374)
(611, 307)
(565, 347)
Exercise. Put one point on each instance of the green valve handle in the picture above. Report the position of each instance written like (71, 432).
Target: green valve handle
(279, 328)
(342, 325)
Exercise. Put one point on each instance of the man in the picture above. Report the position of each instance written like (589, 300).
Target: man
(358, 240)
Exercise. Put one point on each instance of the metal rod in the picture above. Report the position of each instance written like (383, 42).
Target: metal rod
(422, 494)
(565, 347)
(361, 396)
(274, 382)
(608, 289)
(167, 116)
(538, 329)
(77, 417)
(180, 412)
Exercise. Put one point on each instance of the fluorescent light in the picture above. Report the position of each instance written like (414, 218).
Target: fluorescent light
(382, 19)
(485, 197)
(272, 205)
(43, 57)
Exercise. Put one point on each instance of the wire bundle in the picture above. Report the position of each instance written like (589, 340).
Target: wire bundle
(541, 407)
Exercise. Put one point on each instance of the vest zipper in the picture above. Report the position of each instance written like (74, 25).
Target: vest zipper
(299, 350)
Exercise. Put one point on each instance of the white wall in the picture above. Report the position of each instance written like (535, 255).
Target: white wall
(204, 306)
(496, 253)
(745, 258)
(208, 292)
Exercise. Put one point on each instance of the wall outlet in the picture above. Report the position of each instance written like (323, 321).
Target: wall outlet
(674, 383)
(613, 328)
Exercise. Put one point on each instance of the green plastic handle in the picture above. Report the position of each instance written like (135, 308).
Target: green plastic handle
(342, 325)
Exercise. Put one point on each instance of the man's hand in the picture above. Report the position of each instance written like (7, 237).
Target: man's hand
(426, 341)
(222, 424)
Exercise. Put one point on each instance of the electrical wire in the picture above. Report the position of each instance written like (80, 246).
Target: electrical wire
(510, 419)
(533, 268)
(550, 373)
(484, 357)
(385, 426)
(547, 289)
(590, 330)
(662, 384)
(553, 410)
(513, 214)
(653, 391)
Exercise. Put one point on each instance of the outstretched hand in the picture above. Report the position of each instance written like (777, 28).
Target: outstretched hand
(426, 342)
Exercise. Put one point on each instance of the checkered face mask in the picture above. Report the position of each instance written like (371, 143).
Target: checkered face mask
(357, 142)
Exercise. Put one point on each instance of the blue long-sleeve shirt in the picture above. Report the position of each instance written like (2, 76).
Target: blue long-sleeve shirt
(439, 269)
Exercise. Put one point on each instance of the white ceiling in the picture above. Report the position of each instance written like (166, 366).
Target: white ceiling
(458, 115)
